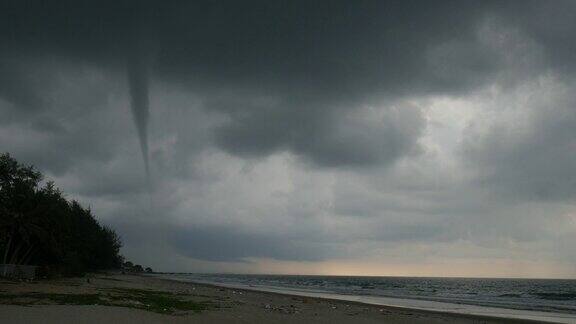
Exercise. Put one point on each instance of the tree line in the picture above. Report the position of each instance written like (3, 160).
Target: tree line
(39, 226)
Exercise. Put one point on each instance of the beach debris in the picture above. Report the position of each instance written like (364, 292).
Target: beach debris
(291, 309)
(384, 311)
(134, 302)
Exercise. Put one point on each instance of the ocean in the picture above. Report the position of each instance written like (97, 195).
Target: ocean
(556, 296)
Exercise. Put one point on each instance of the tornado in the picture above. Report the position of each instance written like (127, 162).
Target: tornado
(137, 70)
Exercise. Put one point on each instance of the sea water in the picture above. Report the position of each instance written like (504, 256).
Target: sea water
(490, 296)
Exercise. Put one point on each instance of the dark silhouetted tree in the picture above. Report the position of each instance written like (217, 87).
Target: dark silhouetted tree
(39, 226)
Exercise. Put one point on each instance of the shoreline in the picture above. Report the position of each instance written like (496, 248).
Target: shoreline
(128, 298)
(523, 316)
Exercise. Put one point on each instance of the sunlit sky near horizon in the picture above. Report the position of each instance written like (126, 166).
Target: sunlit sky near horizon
(405, 138)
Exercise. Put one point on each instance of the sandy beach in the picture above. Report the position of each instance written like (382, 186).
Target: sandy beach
(117, 298)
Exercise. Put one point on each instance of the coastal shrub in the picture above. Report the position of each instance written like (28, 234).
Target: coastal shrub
(38, 226)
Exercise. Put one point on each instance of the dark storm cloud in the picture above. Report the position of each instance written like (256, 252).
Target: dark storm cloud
(324, 80)
(552, 25)
(237, 244)
(314, 60)
(534, 160)
(225, 243)
(17, 86)
(66, 129)
(228, 243)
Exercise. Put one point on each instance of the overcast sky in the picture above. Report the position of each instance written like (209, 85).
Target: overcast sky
(323, 137)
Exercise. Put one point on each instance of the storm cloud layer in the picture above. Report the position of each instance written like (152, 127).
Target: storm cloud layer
(314, 132)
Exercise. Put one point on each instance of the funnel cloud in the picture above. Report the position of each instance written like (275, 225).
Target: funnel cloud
(138, 84)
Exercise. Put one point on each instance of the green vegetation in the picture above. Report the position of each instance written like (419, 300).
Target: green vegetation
(160, 301)
(40, 298)
(154, 301)
(38, 226)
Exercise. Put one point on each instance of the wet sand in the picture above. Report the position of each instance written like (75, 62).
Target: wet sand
(228, 305)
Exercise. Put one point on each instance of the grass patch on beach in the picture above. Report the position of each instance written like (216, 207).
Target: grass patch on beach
(159, 301)
(28, 299)
(72, 299)
(154, 301)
